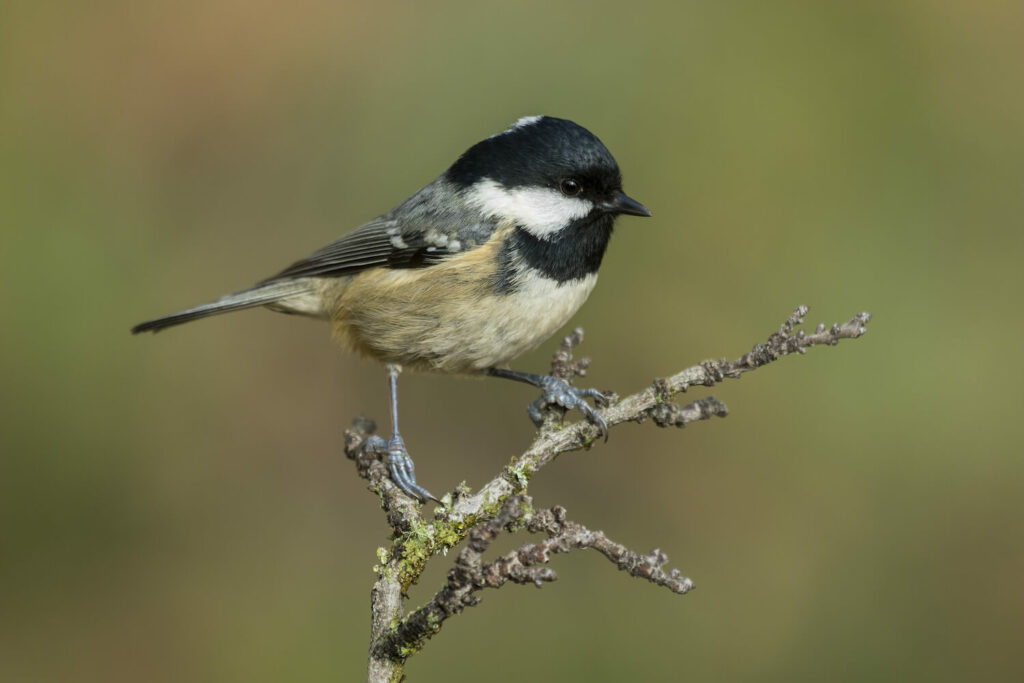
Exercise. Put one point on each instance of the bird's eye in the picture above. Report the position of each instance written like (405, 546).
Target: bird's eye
(570, 187)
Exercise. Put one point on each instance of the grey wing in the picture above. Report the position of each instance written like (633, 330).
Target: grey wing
(373, 244)
(413, 236)
(379, 243)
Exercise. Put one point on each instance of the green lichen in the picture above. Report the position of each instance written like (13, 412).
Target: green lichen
(412, 645)
(413, 548)
(434, 622)
(518, 475)
(448, 534)
(489, 509)
(416, 546)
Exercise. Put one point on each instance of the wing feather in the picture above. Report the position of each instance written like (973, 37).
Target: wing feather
(424, 230)
(365, 247)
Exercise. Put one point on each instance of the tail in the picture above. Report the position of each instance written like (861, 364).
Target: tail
(261, 295)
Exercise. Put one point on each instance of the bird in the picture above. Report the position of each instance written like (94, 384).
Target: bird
(476, 268)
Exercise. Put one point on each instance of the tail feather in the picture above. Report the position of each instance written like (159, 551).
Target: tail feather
(249, 298)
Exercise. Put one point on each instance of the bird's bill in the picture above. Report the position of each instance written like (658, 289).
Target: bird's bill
(623, 203)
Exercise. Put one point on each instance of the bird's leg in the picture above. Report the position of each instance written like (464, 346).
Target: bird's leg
(402, 471)
(557, 391)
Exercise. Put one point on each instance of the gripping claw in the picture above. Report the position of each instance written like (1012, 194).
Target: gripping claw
(403, 472)
(559, 392)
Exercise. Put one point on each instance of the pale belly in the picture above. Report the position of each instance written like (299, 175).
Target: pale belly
(447, 321)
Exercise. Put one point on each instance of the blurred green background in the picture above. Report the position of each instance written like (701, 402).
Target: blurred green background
(177, 508)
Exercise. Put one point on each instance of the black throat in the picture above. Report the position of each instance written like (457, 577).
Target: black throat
(572, 254)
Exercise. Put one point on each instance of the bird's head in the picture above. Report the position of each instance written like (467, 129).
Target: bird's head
(546, 174)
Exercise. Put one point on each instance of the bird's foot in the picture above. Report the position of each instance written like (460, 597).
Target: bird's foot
(403, 472)
(559, 392)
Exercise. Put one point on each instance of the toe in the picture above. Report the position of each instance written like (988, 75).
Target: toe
(594, 418)
(403, 473)
(594, 394)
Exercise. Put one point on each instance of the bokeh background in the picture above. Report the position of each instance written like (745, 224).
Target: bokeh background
(177, 508)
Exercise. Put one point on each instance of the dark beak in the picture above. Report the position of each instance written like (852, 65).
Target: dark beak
(623, 203)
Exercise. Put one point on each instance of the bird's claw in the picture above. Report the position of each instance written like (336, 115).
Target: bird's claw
(403, 472)
(559, 392)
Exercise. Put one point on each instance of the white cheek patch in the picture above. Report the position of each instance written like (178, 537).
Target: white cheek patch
(541, 211)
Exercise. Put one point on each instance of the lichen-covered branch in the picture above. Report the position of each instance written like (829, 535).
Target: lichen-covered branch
(471, 574)
(501, 504)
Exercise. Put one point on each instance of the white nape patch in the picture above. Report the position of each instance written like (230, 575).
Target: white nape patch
(525, 121)
(542, 211)
(521, 123)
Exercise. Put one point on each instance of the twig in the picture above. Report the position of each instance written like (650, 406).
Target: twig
(501, 503)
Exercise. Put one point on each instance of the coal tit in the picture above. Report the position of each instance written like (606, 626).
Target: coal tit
(476, 268)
